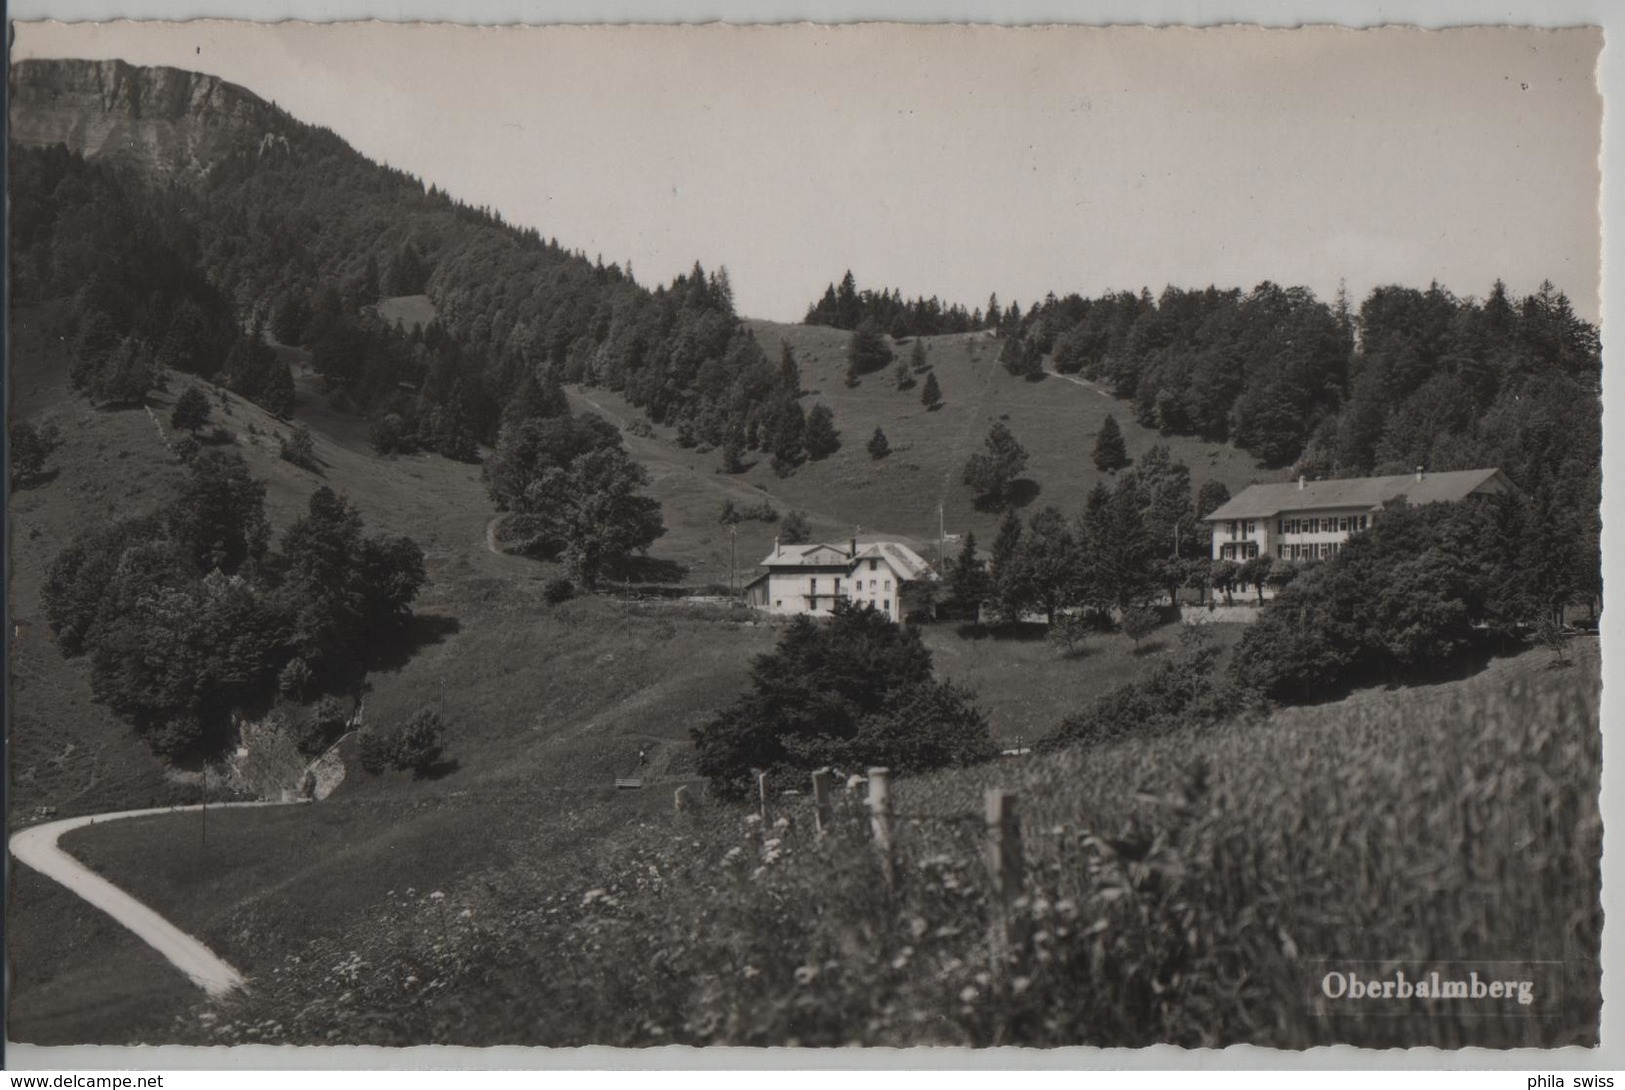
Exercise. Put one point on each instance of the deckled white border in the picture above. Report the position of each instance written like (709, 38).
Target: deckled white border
(1430, 13)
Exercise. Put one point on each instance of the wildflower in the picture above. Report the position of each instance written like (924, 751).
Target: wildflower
(806, 974)
(437, 896)
(782, 823)
(752, 971)
(733, 853)
(1020, 984)
(466, 914)
(968, 994)
(753, 819)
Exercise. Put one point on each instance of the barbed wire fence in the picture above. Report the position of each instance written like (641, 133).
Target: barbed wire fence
(1021, 851)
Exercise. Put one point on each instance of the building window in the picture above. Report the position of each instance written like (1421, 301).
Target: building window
(1343, 525)
(1252, 527)
(888, 584)
(1325, 550)
(1280, 552)
(778, 603)
(872, 565)
(812, 586)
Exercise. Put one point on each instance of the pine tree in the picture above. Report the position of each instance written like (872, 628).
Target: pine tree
(969, 584)
(789, 370)
(931, 396)
(916, 358)
(191, 410)
(878, 446)
(820, 437)
(1003, 561)
(1111, 454)
(991, 472)
(905, 377)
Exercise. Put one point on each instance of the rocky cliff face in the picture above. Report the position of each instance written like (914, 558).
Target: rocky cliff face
(167, 123)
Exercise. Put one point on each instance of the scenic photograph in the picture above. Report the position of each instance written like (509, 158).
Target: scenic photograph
(803, 536)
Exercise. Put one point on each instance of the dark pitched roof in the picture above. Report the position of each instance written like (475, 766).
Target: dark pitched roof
(1268, 500)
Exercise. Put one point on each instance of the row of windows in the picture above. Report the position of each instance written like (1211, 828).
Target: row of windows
(1342, 523)
(1246, 550)
(812, 603)
(857, 585)
(1325, 525)
(1317, 551)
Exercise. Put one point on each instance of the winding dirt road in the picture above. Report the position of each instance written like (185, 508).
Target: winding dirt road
(37, 848)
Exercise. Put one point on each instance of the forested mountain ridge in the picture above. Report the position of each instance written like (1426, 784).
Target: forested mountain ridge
(299, 231)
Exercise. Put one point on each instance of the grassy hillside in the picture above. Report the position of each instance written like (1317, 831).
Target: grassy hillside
(1189, 888)
(1056, 419)
(896, 497)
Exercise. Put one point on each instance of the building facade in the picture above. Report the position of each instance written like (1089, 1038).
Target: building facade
(813, 579)
(1310, 520)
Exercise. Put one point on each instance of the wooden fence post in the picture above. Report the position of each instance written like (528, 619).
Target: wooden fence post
(880, 824)
(679, 799)
(1004, 843)
(1005, 865)
(761, 794)
(823, 812)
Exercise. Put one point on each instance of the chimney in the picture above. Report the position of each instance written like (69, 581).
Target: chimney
(1300, 482)
(854, 544)
(1419, 473)
(777, 549)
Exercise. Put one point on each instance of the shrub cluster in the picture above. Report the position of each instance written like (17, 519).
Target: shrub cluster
(855, 691)
(190, 616)
(414, 746)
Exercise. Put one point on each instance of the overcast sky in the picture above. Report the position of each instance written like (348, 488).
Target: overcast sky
(954, 162)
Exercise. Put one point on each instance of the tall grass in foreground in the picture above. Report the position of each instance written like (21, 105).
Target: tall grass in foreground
(1188, 889)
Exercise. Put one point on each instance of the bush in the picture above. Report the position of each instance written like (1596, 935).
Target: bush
(322, 727)
(294, 679)
(796, 530)
(558, 591)
(731, 515)
(856, 691)
(1138, 623)
(415, 746)
(300, 449)
(30, 447)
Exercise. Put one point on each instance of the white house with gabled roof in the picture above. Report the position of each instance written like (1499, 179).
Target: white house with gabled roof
(812, 579)
(1310, 520)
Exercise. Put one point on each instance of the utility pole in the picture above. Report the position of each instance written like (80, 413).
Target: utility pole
(733, 560)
